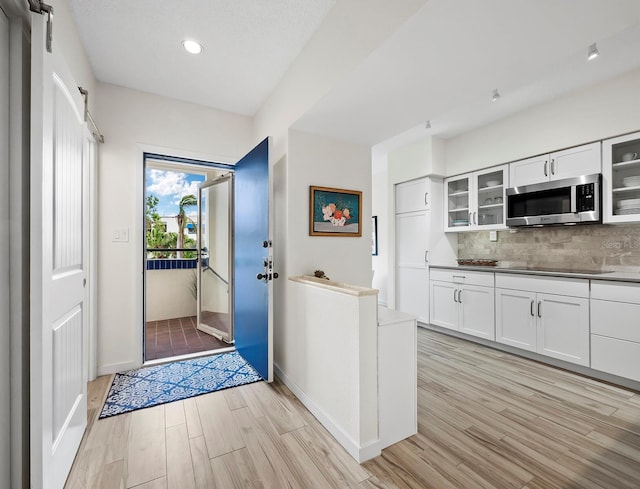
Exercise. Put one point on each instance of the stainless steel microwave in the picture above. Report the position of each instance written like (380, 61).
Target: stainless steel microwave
(568, 201)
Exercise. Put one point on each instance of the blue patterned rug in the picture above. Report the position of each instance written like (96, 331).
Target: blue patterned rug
(151, 386)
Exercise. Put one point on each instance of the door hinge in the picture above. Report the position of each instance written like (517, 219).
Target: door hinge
(42, 8)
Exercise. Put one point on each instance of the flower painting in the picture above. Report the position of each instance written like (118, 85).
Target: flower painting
(335, 212)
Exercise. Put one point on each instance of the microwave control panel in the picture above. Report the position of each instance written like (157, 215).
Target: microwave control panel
(585, 197)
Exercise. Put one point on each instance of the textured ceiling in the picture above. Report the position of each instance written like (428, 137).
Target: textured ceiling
(248, 45)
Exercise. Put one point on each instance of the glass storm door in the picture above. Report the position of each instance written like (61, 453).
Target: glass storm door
(214, 272)
(253, 261)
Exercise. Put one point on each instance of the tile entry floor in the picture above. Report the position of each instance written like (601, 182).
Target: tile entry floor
(179, 336)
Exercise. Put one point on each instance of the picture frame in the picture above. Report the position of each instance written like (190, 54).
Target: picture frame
(374, 235)
(335, 212)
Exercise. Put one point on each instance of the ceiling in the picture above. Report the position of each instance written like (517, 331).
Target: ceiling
(248, 45)
(441, 65)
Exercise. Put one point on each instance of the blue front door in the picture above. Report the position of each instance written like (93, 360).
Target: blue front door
(251, 248)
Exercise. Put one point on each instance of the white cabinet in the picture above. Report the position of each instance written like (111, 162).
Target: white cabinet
(413, 196)
(475, 201)
(463, 301)
(397, 376)
(572, 162)
(621, 178)
(412, 226)
(549, 316)
(615, 329)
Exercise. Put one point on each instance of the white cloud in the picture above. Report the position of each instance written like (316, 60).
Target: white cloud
(169, 183)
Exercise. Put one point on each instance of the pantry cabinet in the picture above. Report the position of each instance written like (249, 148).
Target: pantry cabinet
(621, 179)
(476, 201)
(572, 162)
(413, 202)
(546, 315)
(463, 301)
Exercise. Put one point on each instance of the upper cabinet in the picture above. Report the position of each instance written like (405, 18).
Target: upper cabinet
(475, 201)
(621, 178)
(413, 196)
(572, 162)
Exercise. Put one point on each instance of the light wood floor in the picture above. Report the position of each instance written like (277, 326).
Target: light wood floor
(487, 419)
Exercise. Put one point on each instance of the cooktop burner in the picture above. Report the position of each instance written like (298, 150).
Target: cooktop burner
(564, 270)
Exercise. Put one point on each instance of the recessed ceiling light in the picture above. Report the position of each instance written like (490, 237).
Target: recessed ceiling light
(593, 52)
(193, 47)
(496, 95)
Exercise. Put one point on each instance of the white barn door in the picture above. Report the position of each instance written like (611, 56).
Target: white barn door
(59, 245)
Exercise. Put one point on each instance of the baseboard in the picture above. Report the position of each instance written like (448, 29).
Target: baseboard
(114, 368)
(360, 454)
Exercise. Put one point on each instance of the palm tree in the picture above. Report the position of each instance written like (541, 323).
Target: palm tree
(182, 218)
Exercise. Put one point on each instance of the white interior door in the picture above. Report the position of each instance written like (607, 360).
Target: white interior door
(58, 346)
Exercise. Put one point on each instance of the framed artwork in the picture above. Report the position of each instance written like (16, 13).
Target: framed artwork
(374, 235)
(335, 212)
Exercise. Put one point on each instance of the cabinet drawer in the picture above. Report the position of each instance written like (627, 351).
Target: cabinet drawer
(615, 319)
(462, 276)
(618, 357)
(615, 291)
(549, 285)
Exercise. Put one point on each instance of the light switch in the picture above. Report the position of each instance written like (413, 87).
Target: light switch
(121, 235)
(493, 235)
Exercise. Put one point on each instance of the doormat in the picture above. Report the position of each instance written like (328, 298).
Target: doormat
(151, 386)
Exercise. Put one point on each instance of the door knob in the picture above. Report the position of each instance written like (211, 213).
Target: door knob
(261, 276)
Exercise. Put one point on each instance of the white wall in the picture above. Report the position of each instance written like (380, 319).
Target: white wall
(67, 41)
(5, 315)
(315, 160)
(380, 208)
(169, 294)
(598, 112)
(131, 121)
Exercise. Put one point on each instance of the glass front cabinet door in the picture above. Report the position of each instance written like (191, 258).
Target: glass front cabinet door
(476, 201)
(621, 178)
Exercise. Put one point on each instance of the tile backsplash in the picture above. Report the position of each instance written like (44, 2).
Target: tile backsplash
(598, 246)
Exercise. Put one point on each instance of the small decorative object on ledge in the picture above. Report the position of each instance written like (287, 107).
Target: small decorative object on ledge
(478, 262)
(335, 212)
(320, 274)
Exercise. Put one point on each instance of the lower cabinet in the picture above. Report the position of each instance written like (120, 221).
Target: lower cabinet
(615, 329)
(556, 325)
(463, 302)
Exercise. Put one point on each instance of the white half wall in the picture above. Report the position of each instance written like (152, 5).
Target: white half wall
(598, 112)
(169, 294)
(131, 122)
(315, 160)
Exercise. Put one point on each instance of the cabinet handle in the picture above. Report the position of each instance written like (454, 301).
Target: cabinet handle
(460, 296)
(539, 311)
(425, 199)
(545, 169)
(426, 256)
(458, 276)
(553, 167)
(454, 295)
(531, 309)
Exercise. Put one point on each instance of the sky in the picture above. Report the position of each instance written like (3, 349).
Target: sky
(170, 187)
